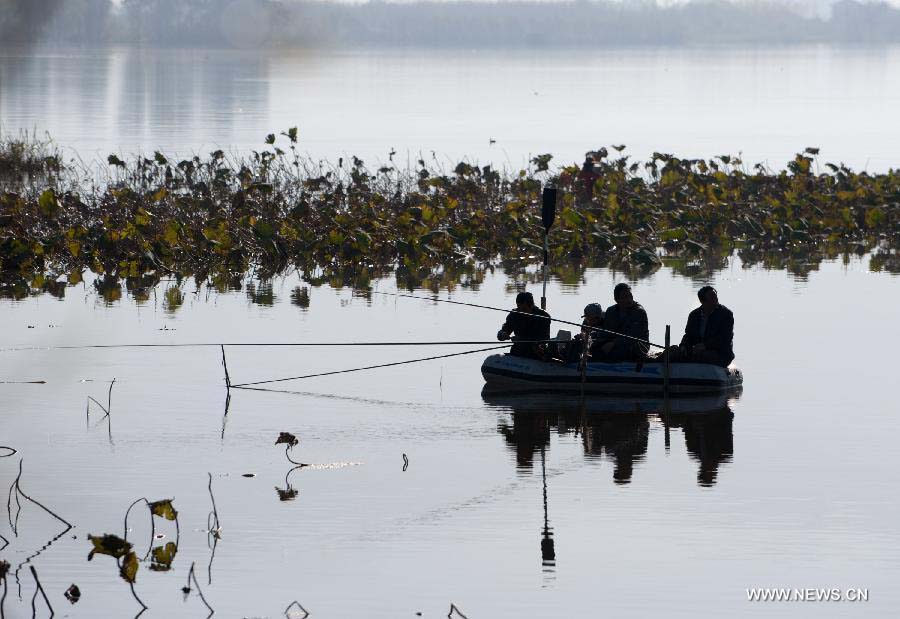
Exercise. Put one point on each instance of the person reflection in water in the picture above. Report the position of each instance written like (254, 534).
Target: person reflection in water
(622, 438)
(709, 440)
(525, 327)
(619, 436)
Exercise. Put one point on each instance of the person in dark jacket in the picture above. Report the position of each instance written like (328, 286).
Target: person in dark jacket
(627, 318)
(526, 328)
(709, 333)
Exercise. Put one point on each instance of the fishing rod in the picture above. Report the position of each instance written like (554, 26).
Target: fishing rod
(250, 386)
(262, 344)
(506, 311)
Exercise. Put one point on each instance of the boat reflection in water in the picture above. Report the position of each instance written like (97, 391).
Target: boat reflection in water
(618, 428)
(614, 428)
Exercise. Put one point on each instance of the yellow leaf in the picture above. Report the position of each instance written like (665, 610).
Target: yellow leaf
(129, 567)
(164, 508)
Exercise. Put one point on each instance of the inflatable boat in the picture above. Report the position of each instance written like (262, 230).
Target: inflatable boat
(506, 372)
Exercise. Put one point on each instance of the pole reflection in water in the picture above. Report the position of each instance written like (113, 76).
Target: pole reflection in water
(548, 552)
(616, 429)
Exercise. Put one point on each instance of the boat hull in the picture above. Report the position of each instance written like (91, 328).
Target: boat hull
(510, 373)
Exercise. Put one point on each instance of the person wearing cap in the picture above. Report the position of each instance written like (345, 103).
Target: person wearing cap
(520, 325)
(628, 319)
(593, 317)
(709, 333)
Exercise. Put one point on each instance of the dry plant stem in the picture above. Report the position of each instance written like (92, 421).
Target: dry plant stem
(215, 512)
(287, 453)
(42, 506)
(135, 595)
(453, 609)
(212, 527)
(298, 605)
(36, 554)
(225, 365)
(3, 598)
(193, 576)
(43, 594)
(225, 416)
(152, 524)
(109, 397)
(105, 410)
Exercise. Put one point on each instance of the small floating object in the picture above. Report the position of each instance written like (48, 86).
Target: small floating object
(248, 475)
(160, 535)
(73, 593)
(511, 373)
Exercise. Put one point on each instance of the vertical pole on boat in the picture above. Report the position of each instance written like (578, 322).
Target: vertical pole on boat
(548, 215)
(666, 375)
(666, 366)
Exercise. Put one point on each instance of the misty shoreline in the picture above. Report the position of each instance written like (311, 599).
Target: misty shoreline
(577, 25)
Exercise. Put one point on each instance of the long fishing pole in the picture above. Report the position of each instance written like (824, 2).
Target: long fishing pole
(249, 386)
(262, 344)
(506, 311)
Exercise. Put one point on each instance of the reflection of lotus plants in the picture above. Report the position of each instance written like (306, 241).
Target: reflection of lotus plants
(215, 218)
(119, 548)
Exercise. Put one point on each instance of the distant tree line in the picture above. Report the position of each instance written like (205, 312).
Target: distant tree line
(580, 23)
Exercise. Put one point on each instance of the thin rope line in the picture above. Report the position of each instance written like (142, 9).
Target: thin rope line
(368, 367)
(261, 344)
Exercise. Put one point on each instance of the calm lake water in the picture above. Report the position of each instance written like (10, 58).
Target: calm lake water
(767, 104)
(793, 484)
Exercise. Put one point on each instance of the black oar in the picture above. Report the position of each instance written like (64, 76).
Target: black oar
(548, 215)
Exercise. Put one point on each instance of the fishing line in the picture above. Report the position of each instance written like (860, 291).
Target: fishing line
(262, 344)
(368, 367)
(498, 309)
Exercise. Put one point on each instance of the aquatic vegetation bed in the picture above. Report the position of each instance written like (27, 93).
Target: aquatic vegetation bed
(219, 217)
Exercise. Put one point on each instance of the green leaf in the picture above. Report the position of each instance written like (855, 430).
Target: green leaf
(270, 139)
(48, 203)
(113, 160)
(674, 234)
(164, 509)
(264, 230)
